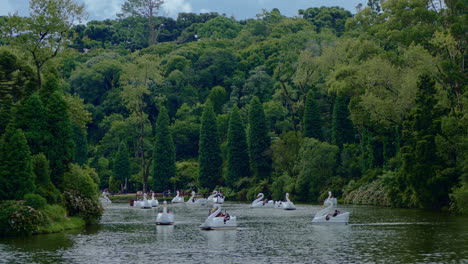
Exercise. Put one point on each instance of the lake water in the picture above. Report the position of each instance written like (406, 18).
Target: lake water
(374, 235)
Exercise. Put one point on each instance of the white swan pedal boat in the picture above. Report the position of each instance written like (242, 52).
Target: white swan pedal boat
(195, 201)
(154, 202)
(219, 221)
(177, 198)
(165, 217)
(288, 205)
(259, 203)
(216, 198)
(330, 214)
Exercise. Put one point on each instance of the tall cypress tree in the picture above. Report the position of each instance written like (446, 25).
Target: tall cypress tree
(16, 172)
(258, 141)
(238, 165)
(164, 156)
(30, 117)
(312, 120)
(342, 128)
(209, 149)
(423, 184)
(60, 146)
(122, 165)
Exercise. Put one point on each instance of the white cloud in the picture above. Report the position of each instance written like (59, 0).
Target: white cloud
(100, 9)
(173, 7)
(204, 10)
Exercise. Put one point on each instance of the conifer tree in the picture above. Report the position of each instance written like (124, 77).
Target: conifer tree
(209, 149)
(16, 172)
(60, 146)
(423, 184)
(312, 120)
(164, 156)
(258, 141)
(30, 117)
(238, 165)
(342, 128)
(41, 169)
(122, 165)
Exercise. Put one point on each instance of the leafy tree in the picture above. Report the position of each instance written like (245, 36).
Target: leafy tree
(209, 149)
(327, 17)
(121, 169)
(238, 165)
(144, 8)
(218, 97)
(258, 84)
(164, 156)
(312, 120)
(219, 28)
(285, 153)
(16, 172)
(138, 77)
(46, 31)
(316, 166)
(258, 141)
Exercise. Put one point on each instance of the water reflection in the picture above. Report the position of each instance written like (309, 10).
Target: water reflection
(164, 232)
(225, 238)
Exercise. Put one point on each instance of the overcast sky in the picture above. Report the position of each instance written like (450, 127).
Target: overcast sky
(240, 9)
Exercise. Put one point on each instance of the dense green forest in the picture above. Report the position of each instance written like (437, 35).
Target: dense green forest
(369, 105)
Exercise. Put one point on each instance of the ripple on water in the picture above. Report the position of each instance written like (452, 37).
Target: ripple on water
(374, 235)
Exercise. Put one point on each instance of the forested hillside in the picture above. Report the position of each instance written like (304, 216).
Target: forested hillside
(370, 106)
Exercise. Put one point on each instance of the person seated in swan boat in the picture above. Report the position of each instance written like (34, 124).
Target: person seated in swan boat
(332, 215)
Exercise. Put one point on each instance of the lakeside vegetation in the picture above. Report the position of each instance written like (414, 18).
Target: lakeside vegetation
(370, 106)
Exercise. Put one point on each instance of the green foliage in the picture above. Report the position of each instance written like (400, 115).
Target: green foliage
(35, 201)
(41, 169)
(318, 161)
(187, 173)
(327, 17)
(286, 153)
(16, 172)
(16, 79)
(258, 141)
(60, 145)
(55, 220)
(209, 150)
(81, 194)
(218, 97)
(164, 158)
(238, 165)
(121, 167)
(312, 121)
(78, 181)
(219, 28)
(30, 117)
(114, 185)
(342, 128)
(81, 146)
(425, 185)
(459, 199)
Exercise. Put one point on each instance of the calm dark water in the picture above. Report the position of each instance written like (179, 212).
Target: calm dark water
(374, 235)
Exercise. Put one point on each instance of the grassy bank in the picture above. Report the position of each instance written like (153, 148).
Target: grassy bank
(56, 220)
